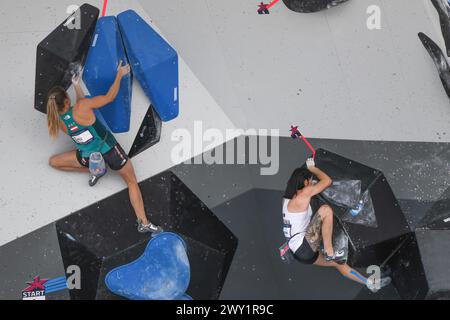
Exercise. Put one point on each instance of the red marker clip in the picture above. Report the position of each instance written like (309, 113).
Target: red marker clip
(295, 133)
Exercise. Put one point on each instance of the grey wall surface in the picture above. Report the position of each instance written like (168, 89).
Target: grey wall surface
(249, 204)
(36, 254)
(325, 71)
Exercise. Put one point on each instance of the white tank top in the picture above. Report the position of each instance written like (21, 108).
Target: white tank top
(295, 225)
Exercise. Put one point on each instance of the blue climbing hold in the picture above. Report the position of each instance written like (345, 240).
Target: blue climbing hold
(100, 71)
(161, 273)
(154, 63)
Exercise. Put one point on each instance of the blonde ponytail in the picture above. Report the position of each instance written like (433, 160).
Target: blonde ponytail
(52, 118)
(55, 104)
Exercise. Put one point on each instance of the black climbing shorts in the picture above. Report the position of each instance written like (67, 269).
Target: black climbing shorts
(116, 158)
(305, 254)
(309, 250)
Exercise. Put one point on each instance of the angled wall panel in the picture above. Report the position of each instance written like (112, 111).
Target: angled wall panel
(63, 51)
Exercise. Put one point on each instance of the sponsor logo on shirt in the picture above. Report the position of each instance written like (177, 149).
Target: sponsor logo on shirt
(73, 128)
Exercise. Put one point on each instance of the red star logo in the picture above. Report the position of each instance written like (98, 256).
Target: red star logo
(37, 284)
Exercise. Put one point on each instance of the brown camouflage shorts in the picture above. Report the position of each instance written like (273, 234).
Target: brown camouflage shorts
(314, 232)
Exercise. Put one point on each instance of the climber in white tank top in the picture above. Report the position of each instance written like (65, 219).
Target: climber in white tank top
(295, 225)
(298, 221)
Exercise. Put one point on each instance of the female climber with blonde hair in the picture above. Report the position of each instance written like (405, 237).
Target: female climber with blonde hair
(90, 136)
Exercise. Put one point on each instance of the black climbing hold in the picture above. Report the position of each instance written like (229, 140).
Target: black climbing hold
(62, 52)
(149, 133)
(308, 6)
(104, 236)
(439, 60)
(443, 9)
(367, 245)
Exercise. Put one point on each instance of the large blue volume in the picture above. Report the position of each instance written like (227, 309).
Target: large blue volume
(161, 273)
(154, 63)
(100, 71)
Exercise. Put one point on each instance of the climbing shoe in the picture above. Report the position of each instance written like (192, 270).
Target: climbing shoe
(374, 285)
(144, 228)
(338, 257)
(94, 179)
